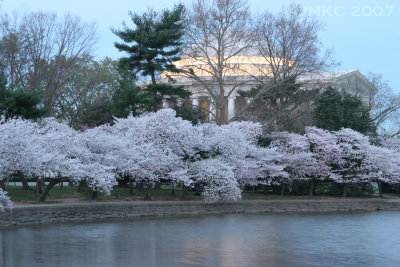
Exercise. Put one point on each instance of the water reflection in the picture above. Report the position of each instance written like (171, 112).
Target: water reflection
(330, 239)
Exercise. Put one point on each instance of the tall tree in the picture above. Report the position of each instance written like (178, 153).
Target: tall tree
(284, 108)
(335, 110)
(224, 45)
(152, 45)
(386, 103)
(129, 98)
(217, 33)
(92, 85)
(289, 44)
(38, 49)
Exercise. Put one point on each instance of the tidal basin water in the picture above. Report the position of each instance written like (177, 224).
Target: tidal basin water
(293, 239)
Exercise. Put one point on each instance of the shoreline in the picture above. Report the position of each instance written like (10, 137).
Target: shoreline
(99, 211)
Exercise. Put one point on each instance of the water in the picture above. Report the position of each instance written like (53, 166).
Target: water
(323, 239)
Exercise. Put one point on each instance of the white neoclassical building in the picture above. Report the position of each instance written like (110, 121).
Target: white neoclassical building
(241, 78)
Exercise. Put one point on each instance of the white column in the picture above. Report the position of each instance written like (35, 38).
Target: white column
(231, 108)
(195, 102)
(165, 104)
(212, 110)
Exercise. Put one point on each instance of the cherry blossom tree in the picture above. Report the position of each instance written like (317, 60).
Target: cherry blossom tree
(5, 202)
(295, 149)
(381, 165)
(262, 166)
(47, 149)
(308, 157)
(326, 152)
(162, 128)
(17, 155)
(164, 141)
(234, 144)
(392, 142)
(250, 130)
(56, 147)
(218, 179)
(354, 148)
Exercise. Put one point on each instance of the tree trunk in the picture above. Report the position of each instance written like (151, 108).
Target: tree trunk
(311, 187)
(197, 189)
(380, 189)
(185, 190)
(3, 185)
(283, 189)
(157, 186)
(41, 183)
(173, 189)
(81, 186)
(265, 190)
(61, 185)
(131, 188)
(70, 184)
(140, 186)
(48, 188)
(38, 188)
(116, 191)
(344, 190)
(94, 194)
(220, 109)
(397, 189)
(25, 185)
(147, 195)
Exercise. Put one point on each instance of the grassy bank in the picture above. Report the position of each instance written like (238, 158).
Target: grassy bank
(70, 194)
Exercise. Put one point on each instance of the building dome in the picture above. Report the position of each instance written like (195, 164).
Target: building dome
(234, 66)
(244, 62)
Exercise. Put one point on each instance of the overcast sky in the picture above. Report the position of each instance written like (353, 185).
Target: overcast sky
(364, 33)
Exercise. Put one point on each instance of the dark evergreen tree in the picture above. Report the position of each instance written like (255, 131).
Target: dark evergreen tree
(96, 113)
(283, 108)
(191, 113)
(17, 103)
(335, 110)
(153, 45)
(327, 112)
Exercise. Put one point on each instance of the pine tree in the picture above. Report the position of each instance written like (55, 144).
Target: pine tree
(18, 103)
(334, 111)
(153, 45)
(327, 112)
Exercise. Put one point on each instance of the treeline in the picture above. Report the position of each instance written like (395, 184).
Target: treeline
(160, 147)
(50, 69)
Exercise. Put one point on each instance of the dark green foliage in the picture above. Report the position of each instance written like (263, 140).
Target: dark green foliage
(97, 113)
(282, 108)
(285, 91)
(391, 188)
(352, 189)
(334, 111)
(157, 92)
(127, 100)
(153, 45)
(324, 188)
(17, 103)
(156, 41)
(356, 115)
(327, 113)
(191, 113)
(264, 141)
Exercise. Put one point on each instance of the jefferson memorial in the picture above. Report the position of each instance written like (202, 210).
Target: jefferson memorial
(240, 76)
